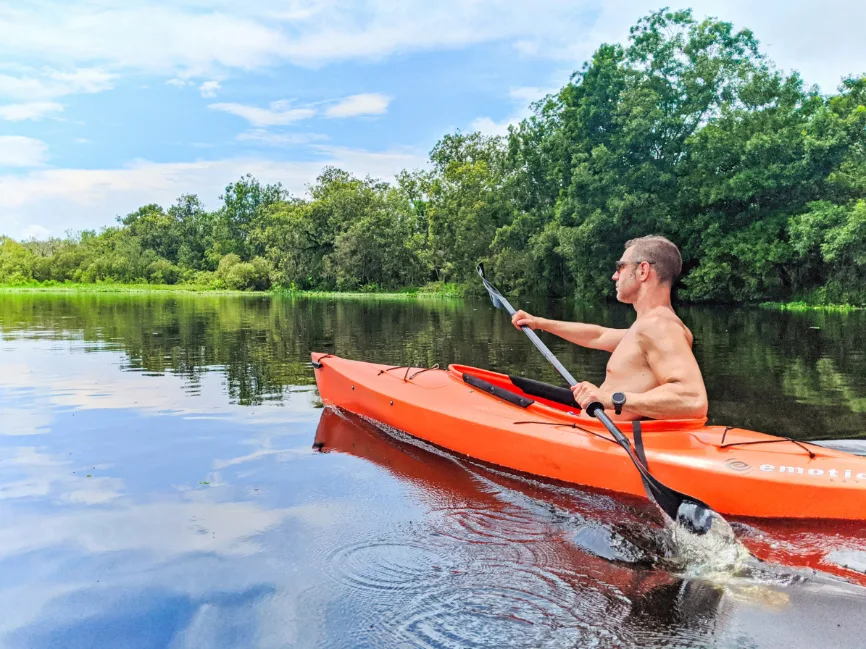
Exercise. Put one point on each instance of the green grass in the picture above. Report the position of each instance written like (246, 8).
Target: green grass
(805, 306)
(430, 291)
(433, 290)
(111, 287)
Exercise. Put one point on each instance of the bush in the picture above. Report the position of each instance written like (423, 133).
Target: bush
(162, 271)
(226, 264)
(15, 262)
(202, 278)
(254, 275)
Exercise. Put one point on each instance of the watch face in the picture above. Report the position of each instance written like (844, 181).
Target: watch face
(618, 398)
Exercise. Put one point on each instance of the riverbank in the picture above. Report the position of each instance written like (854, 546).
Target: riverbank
(72, 287)
(444, 291)
(805, 306)
(448, 291)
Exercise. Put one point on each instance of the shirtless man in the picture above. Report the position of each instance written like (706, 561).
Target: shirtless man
(652, 369)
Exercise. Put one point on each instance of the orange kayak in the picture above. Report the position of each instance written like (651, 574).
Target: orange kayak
(528, 426)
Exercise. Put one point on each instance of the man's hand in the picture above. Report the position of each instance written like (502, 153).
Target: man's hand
(522, 318)
(586, 393)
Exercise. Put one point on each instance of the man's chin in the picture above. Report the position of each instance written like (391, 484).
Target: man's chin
(622, 298)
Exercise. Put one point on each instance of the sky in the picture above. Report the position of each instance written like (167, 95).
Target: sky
(106, 105)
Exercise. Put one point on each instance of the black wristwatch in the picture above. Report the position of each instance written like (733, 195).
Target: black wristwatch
(618, 400)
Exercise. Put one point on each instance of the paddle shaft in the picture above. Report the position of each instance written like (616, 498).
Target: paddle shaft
(598, 411)
(538, 343)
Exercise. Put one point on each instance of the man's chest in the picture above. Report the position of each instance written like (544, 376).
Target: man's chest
(627, 357)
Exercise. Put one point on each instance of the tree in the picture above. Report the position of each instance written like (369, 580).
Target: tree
(466, 203)
(243, 203)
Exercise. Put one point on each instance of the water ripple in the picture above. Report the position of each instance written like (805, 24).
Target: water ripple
(387, 565)
(509, 603)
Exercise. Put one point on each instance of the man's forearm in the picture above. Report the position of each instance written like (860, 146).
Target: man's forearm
(668, 401)
(580, 333)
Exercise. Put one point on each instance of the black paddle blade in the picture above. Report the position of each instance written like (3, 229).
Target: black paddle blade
(691, 513)
(695, 516)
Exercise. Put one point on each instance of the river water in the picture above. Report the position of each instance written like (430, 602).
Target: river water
(168, 478)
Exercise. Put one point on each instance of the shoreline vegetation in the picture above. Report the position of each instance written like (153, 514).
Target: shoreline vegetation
(686, 130)
(446, 291)
(427, 292)
(805, 306)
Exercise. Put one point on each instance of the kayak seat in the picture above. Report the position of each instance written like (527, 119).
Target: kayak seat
(545, 391)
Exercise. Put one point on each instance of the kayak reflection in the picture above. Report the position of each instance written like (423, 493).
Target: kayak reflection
(618, 528)
(589, 542)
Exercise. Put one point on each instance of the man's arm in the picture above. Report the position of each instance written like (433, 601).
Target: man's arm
(579, 333)
(681, 393)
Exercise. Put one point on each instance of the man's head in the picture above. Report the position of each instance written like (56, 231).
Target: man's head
(649, 264)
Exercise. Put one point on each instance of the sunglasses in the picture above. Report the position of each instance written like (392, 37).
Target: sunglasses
(622, 264)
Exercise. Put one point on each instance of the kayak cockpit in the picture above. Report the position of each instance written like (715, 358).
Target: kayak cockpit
(553, 398)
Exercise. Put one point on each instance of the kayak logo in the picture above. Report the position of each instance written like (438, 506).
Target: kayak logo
(845, 474)
(738, 466)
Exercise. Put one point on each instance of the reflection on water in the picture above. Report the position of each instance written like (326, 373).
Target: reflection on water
(798, 374)
(159, 487)
(500, 556)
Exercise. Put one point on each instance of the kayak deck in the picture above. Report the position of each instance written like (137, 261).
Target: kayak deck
(487, 416)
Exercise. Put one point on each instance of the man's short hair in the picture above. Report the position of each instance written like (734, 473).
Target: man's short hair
(661, 253)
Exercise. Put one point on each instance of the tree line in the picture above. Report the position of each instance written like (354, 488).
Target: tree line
(686, 130)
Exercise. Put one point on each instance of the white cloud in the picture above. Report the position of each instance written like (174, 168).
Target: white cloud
(279, 139)
(60, 199)
(278, 114)
(522, 98)
(53, 83)
(822, 40)
(140, 36)
(189, 38)
(488, 126)
(87, 80)
(20, 151)
(527, 48)
(177, 82)
(37, 232)
(530, 94)
(210, 88)
(363, 104)
(34, 110)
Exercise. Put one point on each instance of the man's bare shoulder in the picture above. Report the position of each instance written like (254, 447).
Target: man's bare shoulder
(661, 324)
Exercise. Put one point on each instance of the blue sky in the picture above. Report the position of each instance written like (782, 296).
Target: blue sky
(105, 106)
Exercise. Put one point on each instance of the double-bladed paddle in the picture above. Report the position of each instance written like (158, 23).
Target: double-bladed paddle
(692, 513)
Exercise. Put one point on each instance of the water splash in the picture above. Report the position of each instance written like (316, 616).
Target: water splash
(717, 553)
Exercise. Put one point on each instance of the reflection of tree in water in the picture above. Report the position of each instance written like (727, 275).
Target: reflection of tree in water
(764, 370)
(797, 374)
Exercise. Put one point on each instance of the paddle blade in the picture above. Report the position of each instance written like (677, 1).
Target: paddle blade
(696, 517)
(491, 291)
(691, 513)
